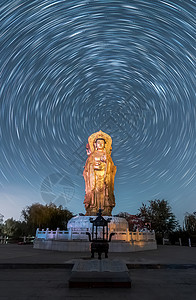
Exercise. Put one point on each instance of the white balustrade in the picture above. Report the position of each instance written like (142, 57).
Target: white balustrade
(3, 240)
(142, 236)
(76, 234)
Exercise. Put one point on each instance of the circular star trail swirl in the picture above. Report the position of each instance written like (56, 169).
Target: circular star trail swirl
(70, 68)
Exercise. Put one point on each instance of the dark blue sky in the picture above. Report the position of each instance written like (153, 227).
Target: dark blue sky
(71, 68)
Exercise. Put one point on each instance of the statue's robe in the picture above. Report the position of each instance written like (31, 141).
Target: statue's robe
(99, 173)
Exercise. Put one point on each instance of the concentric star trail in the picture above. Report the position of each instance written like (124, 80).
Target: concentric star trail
(71, 68)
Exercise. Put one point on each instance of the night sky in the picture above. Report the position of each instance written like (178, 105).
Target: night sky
(71, 68)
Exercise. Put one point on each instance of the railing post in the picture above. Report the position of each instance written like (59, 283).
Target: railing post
(70, 234)
(131, 236)
(57, 233)
(36, 235)
(138, 237)
(180, 241)
(189, 242)
(46, 234)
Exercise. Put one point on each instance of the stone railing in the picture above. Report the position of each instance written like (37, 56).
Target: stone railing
(3, 240)
(142, 236)
(52, 234)
(75, 234)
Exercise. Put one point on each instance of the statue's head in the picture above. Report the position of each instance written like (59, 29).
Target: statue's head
(100, 141)
(100, 144)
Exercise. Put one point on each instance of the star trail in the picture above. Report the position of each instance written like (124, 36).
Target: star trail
(71, 68)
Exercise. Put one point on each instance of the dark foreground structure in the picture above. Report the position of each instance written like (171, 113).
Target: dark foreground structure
(166, 273)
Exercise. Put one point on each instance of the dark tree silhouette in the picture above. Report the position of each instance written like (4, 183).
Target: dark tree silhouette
(48, 216)
(160, 215)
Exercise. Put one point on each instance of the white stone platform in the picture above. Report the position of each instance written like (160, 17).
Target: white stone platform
(84, 246)
(76, 240)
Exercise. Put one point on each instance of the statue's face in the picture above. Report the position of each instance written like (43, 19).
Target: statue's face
(100, 144)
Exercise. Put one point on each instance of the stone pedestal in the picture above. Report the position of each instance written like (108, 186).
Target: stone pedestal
(76, 240)
(84, 246)
(100, 273)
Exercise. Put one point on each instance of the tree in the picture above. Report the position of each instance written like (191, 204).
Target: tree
(48, 216)
(160, 215)
(13, 228)
(134, 221)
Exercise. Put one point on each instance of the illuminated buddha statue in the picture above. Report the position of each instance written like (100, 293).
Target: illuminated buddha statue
(99, 173)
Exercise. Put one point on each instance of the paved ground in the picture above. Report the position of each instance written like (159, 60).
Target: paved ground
(163, 255)
(53, 284)
(24, 284)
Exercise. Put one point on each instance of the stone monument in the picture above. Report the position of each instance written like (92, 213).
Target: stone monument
(99, 173)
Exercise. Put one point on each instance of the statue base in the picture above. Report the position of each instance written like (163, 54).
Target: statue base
(83, 246)
(82, 224)
(76, 240)
(106, 212)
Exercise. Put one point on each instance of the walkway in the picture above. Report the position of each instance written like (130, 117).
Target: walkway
(51, 282)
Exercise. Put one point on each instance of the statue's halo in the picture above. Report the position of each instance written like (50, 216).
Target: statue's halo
(100, 135)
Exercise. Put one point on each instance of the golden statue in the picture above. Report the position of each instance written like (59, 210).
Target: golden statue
(99, 173)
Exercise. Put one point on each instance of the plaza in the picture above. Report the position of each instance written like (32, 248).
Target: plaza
(166, 273)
